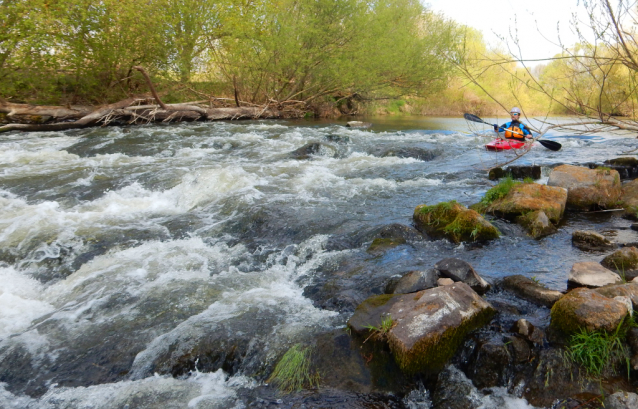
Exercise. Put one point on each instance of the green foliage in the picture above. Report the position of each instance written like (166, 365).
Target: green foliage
(386, 325)
(499, 191)
(599, 352)
(293, 372)
(310, 50)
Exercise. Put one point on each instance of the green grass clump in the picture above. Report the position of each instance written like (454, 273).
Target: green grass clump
(599, 352)
(499, 191)
(293, 372)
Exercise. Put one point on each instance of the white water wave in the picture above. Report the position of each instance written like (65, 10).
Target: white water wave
(201, 390)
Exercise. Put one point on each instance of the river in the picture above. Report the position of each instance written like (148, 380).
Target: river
(122, 245)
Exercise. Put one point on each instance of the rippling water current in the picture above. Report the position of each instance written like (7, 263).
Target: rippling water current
(122, 245)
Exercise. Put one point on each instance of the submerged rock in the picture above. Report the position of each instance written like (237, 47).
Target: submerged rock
(591, 241)
(380, 246)
(588, 188)
(531, 290)
(462, 271)
(453, 221)
(427, 326)
(358, 124)
(623, 261)
(588, 309)
(415, 153)
(313, 149)
(591, 274)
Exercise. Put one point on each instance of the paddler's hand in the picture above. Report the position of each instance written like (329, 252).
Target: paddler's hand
(495, 128)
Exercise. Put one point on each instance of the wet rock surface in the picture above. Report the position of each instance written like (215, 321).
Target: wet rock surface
(427, 326)
(591, 274)
(624, 262)
(530, 290)
(587, 188)
(462, 271)
(591, 241)
(525, 198)
(414, 281)
(585, 308)
(454, 222)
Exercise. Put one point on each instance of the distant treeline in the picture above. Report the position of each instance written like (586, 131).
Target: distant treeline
(326, 56)
(247, 51)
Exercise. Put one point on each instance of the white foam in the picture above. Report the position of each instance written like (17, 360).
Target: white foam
(20, 301)
(202, 390)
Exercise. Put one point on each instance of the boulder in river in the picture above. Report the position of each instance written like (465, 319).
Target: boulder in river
(629, 290)
(531, 290)
(591, 274)
(630, 199)
(537, 224)
(462, 271)
(453, 221)
(524, 198)
(587, 309)
(427, 326)
(624, 261)
(416, 280)
(591, 241)
(313, 149)
(588, 188)
(627, 167)
(516, 172)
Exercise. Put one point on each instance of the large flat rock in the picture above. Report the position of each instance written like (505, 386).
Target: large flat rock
(428, 326)
(587, 188)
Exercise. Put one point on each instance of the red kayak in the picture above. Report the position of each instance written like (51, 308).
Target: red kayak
(503, 145)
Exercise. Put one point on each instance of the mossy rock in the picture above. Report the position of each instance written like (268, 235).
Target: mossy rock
(455, 222)
(588, 188)
(380, 245)
(537, 224)
(587, 309)
(624, 161)
(623, 261)
(525, 198)
(427, 326)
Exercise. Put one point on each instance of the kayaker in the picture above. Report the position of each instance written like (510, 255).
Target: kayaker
(514, 129)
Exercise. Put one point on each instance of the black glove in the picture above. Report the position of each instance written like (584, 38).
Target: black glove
(495, 128)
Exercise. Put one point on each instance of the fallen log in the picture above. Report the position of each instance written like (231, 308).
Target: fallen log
(129, 111)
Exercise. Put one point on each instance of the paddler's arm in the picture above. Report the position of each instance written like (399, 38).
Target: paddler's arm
(498, 129)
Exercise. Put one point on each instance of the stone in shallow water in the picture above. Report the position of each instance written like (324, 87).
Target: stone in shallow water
(591, 274)
(591, 241)
(587, 188)
(428, 326)
(416, 280)
(624, 261)
(530, 290)
(460, 270)
(585, 308)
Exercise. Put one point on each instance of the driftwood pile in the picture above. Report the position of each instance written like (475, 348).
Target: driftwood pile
(133, 110)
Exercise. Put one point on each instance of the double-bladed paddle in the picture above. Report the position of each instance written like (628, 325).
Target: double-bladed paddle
(551, 145)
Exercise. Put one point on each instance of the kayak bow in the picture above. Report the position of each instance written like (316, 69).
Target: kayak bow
(503, 145)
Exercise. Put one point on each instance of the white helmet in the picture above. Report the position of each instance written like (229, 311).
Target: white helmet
(515, 110)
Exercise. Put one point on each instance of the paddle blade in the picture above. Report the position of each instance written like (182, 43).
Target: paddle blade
(474, 118)
(551, 145)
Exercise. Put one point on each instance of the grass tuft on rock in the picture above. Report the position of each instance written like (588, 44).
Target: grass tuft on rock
(293, 372)
(600, 352)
